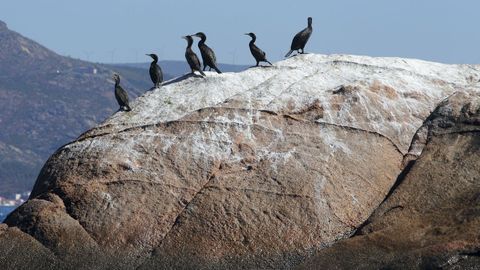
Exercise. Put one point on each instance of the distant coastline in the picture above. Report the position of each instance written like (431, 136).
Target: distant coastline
(9, 204)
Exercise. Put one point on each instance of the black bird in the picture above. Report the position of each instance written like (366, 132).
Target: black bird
(120, 94)
(208, 55)
(155, 71)
(301, 38)
(192, 58)
(257, 53)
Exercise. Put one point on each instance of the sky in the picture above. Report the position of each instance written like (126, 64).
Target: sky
(123, 31)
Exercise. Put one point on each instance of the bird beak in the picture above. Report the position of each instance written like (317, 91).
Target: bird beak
(184, 37)
(247, 34)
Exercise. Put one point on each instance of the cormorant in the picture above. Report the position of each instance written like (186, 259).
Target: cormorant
(301, 38)
(155, 71)
(120, 94)
(192, 58)
(208, 55)
(257, 53)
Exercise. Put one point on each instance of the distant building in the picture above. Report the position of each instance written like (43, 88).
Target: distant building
(18, 199)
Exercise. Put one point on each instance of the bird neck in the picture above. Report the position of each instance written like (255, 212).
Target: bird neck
(202, 41)
(310, 25)
(117, 83)
(155, 61)
(253, 40)
(190, 43)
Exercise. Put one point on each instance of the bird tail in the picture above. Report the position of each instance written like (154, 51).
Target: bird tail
(269, 62)
(217, 70)
(127, 108)
(201, 72)
(288, 54)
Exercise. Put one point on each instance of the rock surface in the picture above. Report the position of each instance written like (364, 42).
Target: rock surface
(258, 169)
(431, 220)
(21, 251)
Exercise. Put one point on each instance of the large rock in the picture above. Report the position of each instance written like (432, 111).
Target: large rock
(257, 169)
(19, 250)
(431, 220)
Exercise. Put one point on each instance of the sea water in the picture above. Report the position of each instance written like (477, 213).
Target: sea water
(4, 211)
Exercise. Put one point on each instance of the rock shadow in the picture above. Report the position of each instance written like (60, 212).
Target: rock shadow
(181, 78)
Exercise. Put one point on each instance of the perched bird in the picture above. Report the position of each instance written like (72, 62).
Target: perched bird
(155, 71)
(192, 58)
(257, 53)
(301, 38)
(208, 55)
(120, 94)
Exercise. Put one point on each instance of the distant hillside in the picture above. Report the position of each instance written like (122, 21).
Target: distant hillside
(46, 100)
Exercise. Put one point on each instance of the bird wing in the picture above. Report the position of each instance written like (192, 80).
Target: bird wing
(192, 60)
(259, 50)
(196, 61)
(121, 95)
(156, 73)
(208, 56)
(257, 53)
(299, 39)
(295, 41)
(160, 74)
(306, 34)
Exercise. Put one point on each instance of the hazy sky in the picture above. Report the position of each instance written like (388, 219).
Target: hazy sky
(123, 31)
